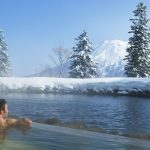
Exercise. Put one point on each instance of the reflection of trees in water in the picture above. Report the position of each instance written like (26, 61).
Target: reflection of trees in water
(78, 110)
(136, 120)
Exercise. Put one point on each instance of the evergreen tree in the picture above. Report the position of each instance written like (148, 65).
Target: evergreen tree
(82, 64)
(4, 58)
(138, 52)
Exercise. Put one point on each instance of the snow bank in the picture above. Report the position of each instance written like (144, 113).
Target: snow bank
(102, 86)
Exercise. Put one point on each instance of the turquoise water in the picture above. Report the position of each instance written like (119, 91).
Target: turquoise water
(45, 137)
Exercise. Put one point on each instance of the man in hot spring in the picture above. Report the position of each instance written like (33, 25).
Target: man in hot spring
(11, 122)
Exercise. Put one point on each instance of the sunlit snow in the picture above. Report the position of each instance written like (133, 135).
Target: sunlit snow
(110, 86)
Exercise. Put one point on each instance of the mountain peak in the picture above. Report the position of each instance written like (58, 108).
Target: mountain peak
(111, 49)
(110, 57)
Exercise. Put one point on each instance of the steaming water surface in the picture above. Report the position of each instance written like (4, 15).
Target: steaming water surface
(115, 114)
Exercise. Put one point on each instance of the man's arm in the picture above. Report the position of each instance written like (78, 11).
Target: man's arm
(19, 122)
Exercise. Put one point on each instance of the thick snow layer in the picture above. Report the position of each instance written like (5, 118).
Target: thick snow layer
(106, 86)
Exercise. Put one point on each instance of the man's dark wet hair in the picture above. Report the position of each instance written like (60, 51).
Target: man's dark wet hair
(2, 103)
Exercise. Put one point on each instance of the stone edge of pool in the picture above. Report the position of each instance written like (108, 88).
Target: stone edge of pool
(94, 135)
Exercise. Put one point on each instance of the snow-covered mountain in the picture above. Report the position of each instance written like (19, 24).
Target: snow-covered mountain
(109, 57)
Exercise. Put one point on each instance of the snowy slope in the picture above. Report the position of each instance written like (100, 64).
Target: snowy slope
(107, 86)
(109, 57)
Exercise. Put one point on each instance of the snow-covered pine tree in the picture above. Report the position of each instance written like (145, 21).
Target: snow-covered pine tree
(5, 69)
(82, 65)
(138, 52)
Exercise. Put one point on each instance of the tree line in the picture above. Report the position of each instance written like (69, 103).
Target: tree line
(82, 65)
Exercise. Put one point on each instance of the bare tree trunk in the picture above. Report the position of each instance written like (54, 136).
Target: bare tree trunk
(61, 56)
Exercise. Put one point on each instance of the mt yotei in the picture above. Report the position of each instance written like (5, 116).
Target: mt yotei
(109, 58)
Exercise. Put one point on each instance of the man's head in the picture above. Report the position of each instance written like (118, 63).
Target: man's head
(3, 108)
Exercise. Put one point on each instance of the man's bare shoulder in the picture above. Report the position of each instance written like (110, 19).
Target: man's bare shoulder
(18, 122)
(11, 121)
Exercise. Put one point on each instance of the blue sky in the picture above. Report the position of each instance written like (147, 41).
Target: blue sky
(33, 28)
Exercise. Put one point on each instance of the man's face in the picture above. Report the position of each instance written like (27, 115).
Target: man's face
(5, 111)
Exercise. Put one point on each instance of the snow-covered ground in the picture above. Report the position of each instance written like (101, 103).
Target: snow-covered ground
(108, 86)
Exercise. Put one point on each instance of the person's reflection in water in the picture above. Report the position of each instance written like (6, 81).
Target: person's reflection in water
(2, 135)
(6, 123)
